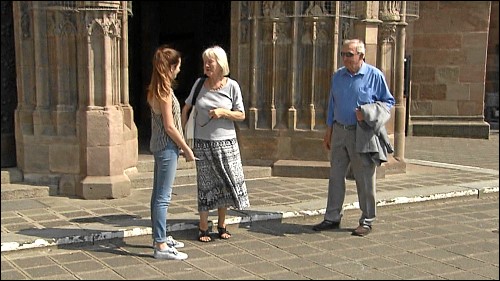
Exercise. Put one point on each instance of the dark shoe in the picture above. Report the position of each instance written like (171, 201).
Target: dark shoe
(324, 225)
(223, 233)
(204, 236)
(362, 230)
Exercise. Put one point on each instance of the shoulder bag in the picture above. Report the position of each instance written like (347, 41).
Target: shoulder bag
(189, 128)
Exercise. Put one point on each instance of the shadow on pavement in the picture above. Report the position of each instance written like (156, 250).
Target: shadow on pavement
(278, 227)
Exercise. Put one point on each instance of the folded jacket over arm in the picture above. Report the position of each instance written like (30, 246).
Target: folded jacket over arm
(371, 134)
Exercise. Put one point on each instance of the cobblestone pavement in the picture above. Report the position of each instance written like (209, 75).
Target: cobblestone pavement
(451, 239)
(449, 232)
(461, 151)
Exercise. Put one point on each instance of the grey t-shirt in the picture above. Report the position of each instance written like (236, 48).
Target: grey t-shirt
(228, 97)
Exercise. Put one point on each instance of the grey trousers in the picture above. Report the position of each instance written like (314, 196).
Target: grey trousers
(343, 152)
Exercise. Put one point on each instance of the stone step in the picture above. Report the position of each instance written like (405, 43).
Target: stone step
(301, 169)
(13, 186)
(321, 169)
(141, 180)
(11, 175)
(13, 191)
(188, 176)
(146, 163)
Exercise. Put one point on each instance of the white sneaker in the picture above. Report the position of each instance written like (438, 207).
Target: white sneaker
(169, 253)
(171, 242)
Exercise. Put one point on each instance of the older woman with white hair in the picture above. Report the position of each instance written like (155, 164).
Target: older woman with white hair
(220, 178)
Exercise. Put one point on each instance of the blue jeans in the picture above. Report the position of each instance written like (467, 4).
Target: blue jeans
(163, 179)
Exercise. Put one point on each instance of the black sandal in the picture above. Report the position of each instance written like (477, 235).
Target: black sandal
(203, 234)
(222, 231)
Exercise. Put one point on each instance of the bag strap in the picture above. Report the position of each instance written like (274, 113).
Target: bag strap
(197, 90)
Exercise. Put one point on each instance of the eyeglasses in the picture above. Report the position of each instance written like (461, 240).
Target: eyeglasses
(206, 123)
(347, 54)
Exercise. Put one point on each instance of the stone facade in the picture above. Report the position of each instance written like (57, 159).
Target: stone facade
(74, 127)
(286, 53)
(284, 64)
(450, 48)
(283, 54)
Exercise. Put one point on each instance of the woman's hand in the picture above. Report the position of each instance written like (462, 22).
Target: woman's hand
(217, 113)
(188, 155)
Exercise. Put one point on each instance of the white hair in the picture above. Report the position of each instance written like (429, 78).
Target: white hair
(360, 46)
(219, 55)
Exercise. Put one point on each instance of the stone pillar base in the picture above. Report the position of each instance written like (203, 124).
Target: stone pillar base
(107, 187)
(392, 166)
(459, 127)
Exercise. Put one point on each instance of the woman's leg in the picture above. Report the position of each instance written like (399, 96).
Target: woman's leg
(164, 175)
(203, 220)
(221, 223)
(203, 227)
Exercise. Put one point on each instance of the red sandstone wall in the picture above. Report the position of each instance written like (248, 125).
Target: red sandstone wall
(449, 43)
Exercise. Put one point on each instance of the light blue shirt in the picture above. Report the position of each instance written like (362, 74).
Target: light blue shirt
(348, 91)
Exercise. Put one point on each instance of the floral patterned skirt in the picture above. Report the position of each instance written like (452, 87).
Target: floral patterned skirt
(220, 178)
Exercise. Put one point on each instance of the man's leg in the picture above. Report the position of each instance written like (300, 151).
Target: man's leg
(339, 161)
(364, 173)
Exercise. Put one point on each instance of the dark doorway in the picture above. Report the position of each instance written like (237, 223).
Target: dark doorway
(188, 26)
(8, 86)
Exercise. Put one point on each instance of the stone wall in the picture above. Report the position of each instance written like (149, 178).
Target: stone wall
(74, 126)
(449, 45)
(283, 54)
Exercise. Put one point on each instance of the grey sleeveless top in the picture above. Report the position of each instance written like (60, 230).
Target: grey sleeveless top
(159, 137)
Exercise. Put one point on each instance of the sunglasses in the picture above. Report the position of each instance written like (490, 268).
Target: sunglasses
(347, 54)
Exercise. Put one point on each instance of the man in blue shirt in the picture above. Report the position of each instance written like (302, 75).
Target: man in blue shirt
(355, 84)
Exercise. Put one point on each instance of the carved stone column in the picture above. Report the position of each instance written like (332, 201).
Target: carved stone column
(390, 11)
(74, 126)
(292, 111)
(130, 129)
(254, 41)
(389, 14)
(399, 125)
(391, 62)
(367, 28)
(385, 57)
(106, 140)
(272, 24)
(313, 23)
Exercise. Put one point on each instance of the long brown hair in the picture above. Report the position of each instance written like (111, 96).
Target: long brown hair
(162, 80)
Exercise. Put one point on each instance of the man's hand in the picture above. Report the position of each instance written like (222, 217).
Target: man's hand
(326, 141)
(359, 114)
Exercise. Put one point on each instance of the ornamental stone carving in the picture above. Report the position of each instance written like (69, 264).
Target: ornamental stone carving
(273, 9)
(109, 23)
(388, 33)
(316, 8)
(389, 10)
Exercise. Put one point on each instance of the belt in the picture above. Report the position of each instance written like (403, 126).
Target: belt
(346, 127)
